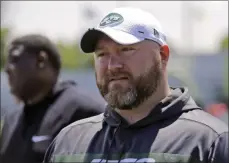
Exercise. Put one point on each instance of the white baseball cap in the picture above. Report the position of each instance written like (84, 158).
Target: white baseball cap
(125, 26)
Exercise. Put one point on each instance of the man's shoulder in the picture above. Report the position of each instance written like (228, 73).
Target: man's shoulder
(12, 115)
(83, 124)
(78, 132)
(91, 120)
(205, 121)
(81, 97)
(76, 101)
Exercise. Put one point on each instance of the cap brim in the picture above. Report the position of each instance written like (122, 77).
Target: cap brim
(90, 38)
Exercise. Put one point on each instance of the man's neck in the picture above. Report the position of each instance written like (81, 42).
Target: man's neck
(39, 96)
(136, 114)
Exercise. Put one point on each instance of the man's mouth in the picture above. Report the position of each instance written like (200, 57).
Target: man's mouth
(118, 78)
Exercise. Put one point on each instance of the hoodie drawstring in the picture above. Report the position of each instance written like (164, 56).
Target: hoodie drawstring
(112, 140)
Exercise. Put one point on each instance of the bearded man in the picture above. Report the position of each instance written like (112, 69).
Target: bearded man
(146, 120)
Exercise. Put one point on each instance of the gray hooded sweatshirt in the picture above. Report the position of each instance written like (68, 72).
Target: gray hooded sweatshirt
(176, 130)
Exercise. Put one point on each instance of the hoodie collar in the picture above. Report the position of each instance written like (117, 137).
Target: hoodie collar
(173, 105)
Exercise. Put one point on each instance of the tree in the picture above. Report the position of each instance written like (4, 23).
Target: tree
(224, 47)
(224, 43)
(72, 57)
(4, 36)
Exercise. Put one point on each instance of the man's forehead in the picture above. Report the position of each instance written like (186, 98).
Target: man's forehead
(102, 42)
(104, 39)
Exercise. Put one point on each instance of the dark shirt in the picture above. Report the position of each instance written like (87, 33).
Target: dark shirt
(28, 122)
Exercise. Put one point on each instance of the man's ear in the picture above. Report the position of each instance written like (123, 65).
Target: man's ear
(42, 59)
(164, 51)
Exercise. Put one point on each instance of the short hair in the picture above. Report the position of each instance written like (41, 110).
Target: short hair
(35, 43)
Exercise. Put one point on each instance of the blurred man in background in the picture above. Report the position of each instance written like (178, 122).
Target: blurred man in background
(146, 120)
(33, 66)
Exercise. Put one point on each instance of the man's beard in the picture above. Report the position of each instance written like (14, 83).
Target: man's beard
(138, 90)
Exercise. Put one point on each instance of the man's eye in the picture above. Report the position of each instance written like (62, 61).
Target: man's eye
(100, 54)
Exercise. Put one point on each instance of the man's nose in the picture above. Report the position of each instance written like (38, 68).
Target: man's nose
(115, 62)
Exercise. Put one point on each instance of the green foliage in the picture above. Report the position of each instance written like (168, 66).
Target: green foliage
(224, 43)
(4, 36)
(72, 57)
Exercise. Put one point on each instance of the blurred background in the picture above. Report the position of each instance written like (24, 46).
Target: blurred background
(197, 34)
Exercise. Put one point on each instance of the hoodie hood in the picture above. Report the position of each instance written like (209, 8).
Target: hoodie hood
(61, 86)
(178, 102)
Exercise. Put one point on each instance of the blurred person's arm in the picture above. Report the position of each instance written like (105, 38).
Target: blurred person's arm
(88, 108)
(1, 123)
(2, 133)
(86, 104)
(2, 128)
(219, 149)
(49, 152)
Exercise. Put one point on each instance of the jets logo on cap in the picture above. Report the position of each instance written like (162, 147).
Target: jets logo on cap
(111, 19)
